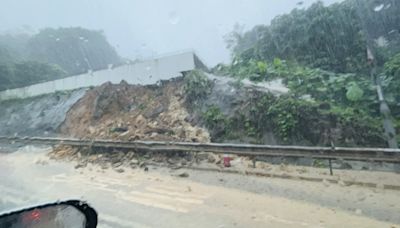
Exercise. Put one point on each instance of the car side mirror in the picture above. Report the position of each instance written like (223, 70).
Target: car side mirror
(66, 214)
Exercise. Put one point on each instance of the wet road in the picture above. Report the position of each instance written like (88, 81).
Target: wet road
(158, 199)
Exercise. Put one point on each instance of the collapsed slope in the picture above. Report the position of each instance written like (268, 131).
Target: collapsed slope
(196, 108)
(133, 112)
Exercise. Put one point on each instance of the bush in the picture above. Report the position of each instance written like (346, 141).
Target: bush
(196, 86)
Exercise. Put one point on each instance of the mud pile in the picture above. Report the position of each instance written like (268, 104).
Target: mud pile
(133, 112)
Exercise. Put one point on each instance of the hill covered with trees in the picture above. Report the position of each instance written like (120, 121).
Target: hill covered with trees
(51, 54)
(321, 54)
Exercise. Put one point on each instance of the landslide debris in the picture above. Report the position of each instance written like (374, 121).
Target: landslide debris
(119, 159)
(133, 112)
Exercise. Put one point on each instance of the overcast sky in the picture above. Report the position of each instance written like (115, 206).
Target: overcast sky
(146, 28)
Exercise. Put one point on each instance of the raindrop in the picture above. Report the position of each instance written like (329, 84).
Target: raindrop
(378, 7)
(148, 68)
(173, 18)
(58, 39)
(388, 6)
(81, 38)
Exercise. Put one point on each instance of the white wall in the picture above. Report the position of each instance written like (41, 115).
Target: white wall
(144, 73)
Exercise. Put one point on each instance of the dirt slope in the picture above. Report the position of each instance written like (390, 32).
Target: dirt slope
(132, 112)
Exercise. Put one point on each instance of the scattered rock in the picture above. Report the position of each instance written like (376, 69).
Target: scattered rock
(183, 162)
(142, 164)
(173, 161)
(42, 162)
(116, 164)
(361, 198)
(209, 157)
(134, 162)
(343, 183)
(119, 129)
(151, 114)
(184, 174)
(120, 170)
(81, 165)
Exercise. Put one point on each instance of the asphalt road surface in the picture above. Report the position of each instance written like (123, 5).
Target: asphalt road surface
(159, 198)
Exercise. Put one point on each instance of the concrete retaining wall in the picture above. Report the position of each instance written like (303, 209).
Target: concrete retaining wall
(144, 73)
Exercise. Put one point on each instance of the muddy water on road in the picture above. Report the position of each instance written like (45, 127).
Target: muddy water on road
(136, 198)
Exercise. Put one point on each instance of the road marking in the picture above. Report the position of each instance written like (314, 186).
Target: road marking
(121, 222)
(157, 189)
(151, 203)
(164, 197)
(268, 217)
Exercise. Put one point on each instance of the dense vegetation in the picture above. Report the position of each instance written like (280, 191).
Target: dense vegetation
(52, 54)
(320, 53)
(76, 50)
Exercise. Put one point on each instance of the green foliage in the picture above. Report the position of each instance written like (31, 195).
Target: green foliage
(76, 50)
(219, 125)
(213, 117)
(284, 115)
(15, 45)
(254, 70)
(322, 37)
(354, 92)
(196, 86)
(320, 53)
(331, 37)
(52, 54)
(14, 75)
(392, 82)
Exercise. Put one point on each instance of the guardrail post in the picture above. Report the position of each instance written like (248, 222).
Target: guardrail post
(330, 160)
(330, 167)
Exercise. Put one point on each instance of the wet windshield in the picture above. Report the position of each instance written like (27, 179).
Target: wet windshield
(203, 113)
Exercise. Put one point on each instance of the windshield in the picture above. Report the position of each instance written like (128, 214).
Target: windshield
(203, 113)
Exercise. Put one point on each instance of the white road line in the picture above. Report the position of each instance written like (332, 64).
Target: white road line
(168, 198)
(152, 203)
(121, 222)
(158, 189)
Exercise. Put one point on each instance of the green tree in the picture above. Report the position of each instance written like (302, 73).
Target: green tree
(328, 37)
(14, 75)
(76, 50)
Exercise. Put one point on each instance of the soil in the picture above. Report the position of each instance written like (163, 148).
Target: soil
(133, 112)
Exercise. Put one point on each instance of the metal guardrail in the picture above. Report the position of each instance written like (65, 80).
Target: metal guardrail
(341, 153)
